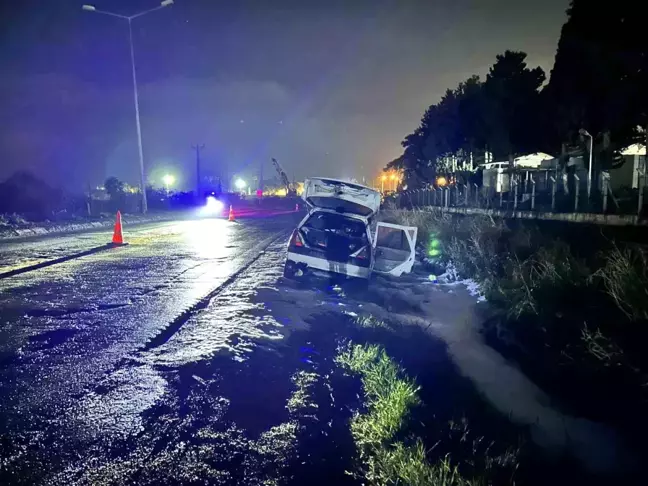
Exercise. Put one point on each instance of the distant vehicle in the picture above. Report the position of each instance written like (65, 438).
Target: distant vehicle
(339, 234)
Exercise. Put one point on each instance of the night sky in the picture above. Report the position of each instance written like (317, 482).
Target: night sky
(327, 87)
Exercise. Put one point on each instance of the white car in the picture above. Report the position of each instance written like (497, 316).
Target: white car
(339, 234)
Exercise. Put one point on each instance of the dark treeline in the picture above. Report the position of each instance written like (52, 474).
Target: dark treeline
(599, 83)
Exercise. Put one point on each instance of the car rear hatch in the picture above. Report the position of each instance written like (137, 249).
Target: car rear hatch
(340, 196)
(333, 237)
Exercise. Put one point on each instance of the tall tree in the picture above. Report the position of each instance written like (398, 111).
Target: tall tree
(497, 115)
(512, 103)
(600, 73)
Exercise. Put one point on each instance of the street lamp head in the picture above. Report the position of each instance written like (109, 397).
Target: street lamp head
(584, 132)
(89, 8)
(240, 184)
(166, 3)
(168, 179)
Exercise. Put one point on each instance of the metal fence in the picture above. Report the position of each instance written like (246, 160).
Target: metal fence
(541, 192)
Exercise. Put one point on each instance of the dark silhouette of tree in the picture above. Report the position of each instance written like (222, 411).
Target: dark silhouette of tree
(511, 94)
(599, 77)
(115, 188)
(30, 196)
(496, 115)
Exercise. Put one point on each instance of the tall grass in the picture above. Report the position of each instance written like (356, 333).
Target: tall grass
(625, 276)
(538, 280)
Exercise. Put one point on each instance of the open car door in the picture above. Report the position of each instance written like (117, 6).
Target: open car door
(394, 248)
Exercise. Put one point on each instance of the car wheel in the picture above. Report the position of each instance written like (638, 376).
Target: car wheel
(289, 270)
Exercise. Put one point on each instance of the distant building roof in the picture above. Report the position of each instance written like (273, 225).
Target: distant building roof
(532, 160)
(634, 149)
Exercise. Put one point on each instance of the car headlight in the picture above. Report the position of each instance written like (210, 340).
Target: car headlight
(213, 206)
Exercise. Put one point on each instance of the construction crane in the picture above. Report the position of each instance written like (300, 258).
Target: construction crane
(290, 189)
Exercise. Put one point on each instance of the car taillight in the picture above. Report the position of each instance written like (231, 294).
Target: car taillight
(296, 239)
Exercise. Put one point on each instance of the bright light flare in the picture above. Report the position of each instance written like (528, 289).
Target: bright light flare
(168, 180)
(212, 207)
(442, 181)
(240, 184)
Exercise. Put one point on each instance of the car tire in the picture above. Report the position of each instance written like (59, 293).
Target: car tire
(289, 270)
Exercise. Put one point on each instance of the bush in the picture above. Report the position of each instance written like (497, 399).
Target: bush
(625, 277)
(540, 283)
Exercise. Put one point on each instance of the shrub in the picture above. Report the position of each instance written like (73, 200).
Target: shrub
(625, 277)
(539, 283)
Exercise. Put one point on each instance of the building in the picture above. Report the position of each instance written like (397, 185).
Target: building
(626, 175)
(496, 175)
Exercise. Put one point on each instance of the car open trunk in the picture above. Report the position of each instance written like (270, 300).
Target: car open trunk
(336, 237)
(343, 197)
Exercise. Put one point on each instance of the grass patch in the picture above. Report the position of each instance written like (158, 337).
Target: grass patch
(390, 394)
(409, 466)
(302, 398)
(572, 304)
(371, 322)
(625, 276)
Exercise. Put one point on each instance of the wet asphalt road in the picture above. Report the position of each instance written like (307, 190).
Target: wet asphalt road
(178, 360)
(81, 342)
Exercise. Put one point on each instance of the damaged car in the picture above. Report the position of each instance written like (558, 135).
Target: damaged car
(341, 234)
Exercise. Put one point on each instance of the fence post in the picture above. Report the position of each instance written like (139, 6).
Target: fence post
(501, 196)
(533, 192)
(434, 193)
(553, 193)
(466, 193)
(605, 193)
(642, 183)
(526, 182)
(447, 196)
(476, 194)
(576, 192)
(515, 193)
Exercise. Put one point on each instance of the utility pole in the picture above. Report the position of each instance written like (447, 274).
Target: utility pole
(261, 177)
(198, 148)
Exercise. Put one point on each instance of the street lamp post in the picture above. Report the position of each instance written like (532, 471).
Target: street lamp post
(165, 3)
(585, 133)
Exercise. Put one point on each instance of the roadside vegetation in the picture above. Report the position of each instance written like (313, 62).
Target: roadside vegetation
(389, 453)
(571, 307)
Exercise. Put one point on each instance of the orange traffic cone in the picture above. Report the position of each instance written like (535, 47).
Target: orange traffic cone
(231, 214)
(118, 237)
